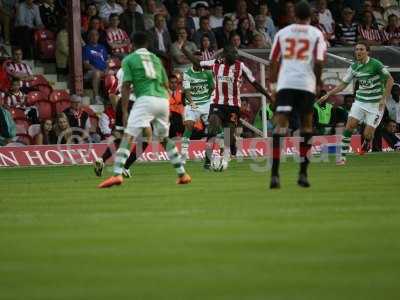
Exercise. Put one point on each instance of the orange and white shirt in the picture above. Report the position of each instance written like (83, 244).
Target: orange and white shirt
(297, 47)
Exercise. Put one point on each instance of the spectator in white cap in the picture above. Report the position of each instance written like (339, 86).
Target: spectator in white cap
(77, 117)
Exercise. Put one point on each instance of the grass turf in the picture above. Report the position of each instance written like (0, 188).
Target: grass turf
(225, 236)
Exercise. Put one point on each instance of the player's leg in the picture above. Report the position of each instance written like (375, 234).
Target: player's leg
(356, 115)
(214, 127)
(161, 130)
(100, 162)
(373, 118)
(305, 146)
(138, 124)
(280, 131)
(136, 151)
(284, 106)
(189, 125)
(231, 123)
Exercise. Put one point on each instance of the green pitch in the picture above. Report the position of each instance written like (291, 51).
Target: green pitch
(225, 236)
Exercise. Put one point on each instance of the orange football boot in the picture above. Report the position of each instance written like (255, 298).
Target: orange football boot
(113, 180)
(184, 179)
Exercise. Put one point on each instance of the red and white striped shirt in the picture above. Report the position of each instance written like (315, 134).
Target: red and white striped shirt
(15, 100)
(298, 47)
(118, 36)
(207, 54)
(371, 34)
(228, 80)
(18, 68)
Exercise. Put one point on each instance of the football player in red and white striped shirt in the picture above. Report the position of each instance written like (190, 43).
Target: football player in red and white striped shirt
(297, 55)
(229, 73)
(117, 38)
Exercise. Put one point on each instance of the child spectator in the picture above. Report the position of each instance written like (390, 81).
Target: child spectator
(46, 136)
(117, 39)
(15, 98)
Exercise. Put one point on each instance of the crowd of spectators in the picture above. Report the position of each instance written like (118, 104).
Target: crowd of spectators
(207, 25)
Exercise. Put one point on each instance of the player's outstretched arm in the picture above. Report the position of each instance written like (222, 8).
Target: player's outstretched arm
(258, 86)
(193, 59)
(332, 92)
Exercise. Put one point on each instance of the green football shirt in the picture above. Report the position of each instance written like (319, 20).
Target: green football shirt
(371, 77)
(146, 73)
(200, 84)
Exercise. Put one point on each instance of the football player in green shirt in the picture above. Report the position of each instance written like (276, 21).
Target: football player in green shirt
(375, 84)
(198, 85)
(144, 72)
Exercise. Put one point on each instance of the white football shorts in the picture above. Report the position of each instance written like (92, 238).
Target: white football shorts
(367, 113)
(147, 111)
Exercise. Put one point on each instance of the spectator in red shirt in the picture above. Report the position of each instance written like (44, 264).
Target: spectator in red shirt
(117, 39)
(392, 31)
(16, 68)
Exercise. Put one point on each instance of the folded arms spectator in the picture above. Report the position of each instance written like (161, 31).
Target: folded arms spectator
(117, 39)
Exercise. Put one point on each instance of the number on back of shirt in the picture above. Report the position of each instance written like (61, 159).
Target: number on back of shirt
(296, 49)
(148, 65)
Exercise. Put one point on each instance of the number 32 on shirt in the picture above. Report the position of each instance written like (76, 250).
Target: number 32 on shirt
(296, 49)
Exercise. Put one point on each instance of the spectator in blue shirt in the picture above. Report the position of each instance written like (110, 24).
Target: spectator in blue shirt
(94, 56)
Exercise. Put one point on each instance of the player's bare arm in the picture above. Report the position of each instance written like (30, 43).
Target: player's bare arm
(193, 59)
(125, 93)
(340, 87)
(258, 87)
(188, 96)
(273, 77)
(318, 66)
(388, 89)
